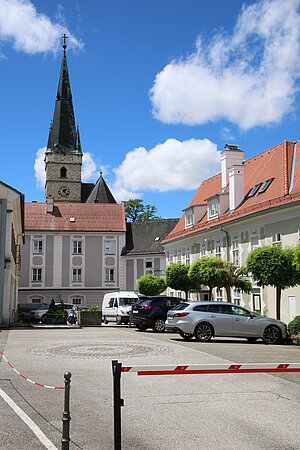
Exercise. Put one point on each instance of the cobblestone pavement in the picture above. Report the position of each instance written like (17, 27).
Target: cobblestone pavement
(106, 350)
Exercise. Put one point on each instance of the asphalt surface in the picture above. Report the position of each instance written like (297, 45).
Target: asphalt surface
(182, 412)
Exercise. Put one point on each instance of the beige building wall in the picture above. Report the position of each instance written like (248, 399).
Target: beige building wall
(11, 235)
(243, 236)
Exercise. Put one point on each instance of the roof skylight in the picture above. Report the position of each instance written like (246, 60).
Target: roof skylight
(266, 185)
(254, 190)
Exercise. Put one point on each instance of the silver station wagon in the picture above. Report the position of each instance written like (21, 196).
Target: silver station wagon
(204, 320)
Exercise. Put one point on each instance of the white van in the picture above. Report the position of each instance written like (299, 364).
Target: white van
(117, 305)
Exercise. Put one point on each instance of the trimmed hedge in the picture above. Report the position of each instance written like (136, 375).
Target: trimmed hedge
(294, 326)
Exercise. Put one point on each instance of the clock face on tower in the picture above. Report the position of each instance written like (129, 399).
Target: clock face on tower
(63, 191)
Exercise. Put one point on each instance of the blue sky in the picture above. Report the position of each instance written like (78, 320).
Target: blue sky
(158, 88)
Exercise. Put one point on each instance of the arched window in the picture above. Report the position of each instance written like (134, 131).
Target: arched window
(63, 172)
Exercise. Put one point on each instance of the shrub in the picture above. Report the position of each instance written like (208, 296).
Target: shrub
(94, 308)
(294, 326)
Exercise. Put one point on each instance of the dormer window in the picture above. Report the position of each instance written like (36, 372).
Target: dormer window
(213, 209)
(63, 172)
(189, 218)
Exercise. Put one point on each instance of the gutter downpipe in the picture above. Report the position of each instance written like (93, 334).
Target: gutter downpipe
(227, 242)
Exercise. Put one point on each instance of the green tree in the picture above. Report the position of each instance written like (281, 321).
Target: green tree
(136, 211)
(208, 271)
(177, 277)
(233, 277)
(151, 284)
(297, 257)
(274, 266)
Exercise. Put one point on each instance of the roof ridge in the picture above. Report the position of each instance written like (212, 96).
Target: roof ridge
(271, 148)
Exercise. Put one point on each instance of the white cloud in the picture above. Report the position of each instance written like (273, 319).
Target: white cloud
(89, 168)
(226, 135)
(170, 166)
(39, 168)
(30, 31)
(248, 78)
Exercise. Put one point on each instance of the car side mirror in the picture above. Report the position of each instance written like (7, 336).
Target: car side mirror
(252, 315)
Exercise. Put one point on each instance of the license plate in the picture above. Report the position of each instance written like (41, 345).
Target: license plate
(135, 312)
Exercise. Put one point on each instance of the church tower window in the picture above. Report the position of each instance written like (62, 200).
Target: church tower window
(63, 172)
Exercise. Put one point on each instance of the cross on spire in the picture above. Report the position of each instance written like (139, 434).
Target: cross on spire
(64, 37)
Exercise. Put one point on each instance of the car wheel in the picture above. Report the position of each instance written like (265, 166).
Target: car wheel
(105, 320)
(119, 320)
(44, 318)
(158, 325)
(186, 336)
(203, 332)
(272, 335)
(252, 340)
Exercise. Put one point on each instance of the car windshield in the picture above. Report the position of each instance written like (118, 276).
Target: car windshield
(181, 306)
(127, 301)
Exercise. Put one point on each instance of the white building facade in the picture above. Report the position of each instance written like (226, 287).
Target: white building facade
(250, 203)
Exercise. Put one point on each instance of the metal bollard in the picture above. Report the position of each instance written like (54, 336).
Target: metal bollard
(118, 402)
(65, 442)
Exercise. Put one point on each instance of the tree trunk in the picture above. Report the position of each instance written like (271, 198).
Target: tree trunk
(228, 293)
(278, 303)
(210, 293)
(186, 295)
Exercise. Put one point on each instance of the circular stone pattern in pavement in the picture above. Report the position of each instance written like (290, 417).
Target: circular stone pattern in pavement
(98, 351)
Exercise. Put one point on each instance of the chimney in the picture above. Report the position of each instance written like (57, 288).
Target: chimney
(50, 206)
(236, 186)
(230, 156)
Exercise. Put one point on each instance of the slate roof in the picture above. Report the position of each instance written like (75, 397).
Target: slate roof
(282, 163)
(86, 189)
(63, 135)
(87, 217)
(142, 237)
(101, 193)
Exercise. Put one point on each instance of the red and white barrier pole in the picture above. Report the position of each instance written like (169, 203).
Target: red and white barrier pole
(212, 369)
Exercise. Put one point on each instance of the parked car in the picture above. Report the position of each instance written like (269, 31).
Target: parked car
(25, 309)
(116, 306)
(151, 312)
(40, 315)
(204, 320)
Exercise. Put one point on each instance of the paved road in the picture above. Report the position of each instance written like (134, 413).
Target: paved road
(182, 412)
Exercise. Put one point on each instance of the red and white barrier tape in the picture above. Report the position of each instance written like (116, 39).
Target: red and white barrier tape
(213, 369)
(27, 379)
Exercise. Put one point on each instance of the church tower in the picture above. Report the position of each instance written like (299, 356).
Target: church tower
(63, 157)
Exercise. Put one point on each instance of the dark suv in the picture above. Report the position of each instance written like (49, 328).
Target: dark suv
(151, 312)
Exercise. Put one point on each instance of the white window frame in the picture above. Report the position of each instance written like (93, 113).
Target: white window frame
(236, 253)
(77, 301)
(109, 275)
(188, 257)
(218, 251)
(189, 218)
(36, 274)
(110, 247)
(236, 297)
(213, 209)
(77, 247)
(219, 294)
(277, 239)
(38, 247)
(76, 275)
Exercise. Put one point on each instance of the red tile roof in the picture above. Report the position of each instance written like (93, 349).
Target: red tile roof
(88, 217)
(277, 163)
